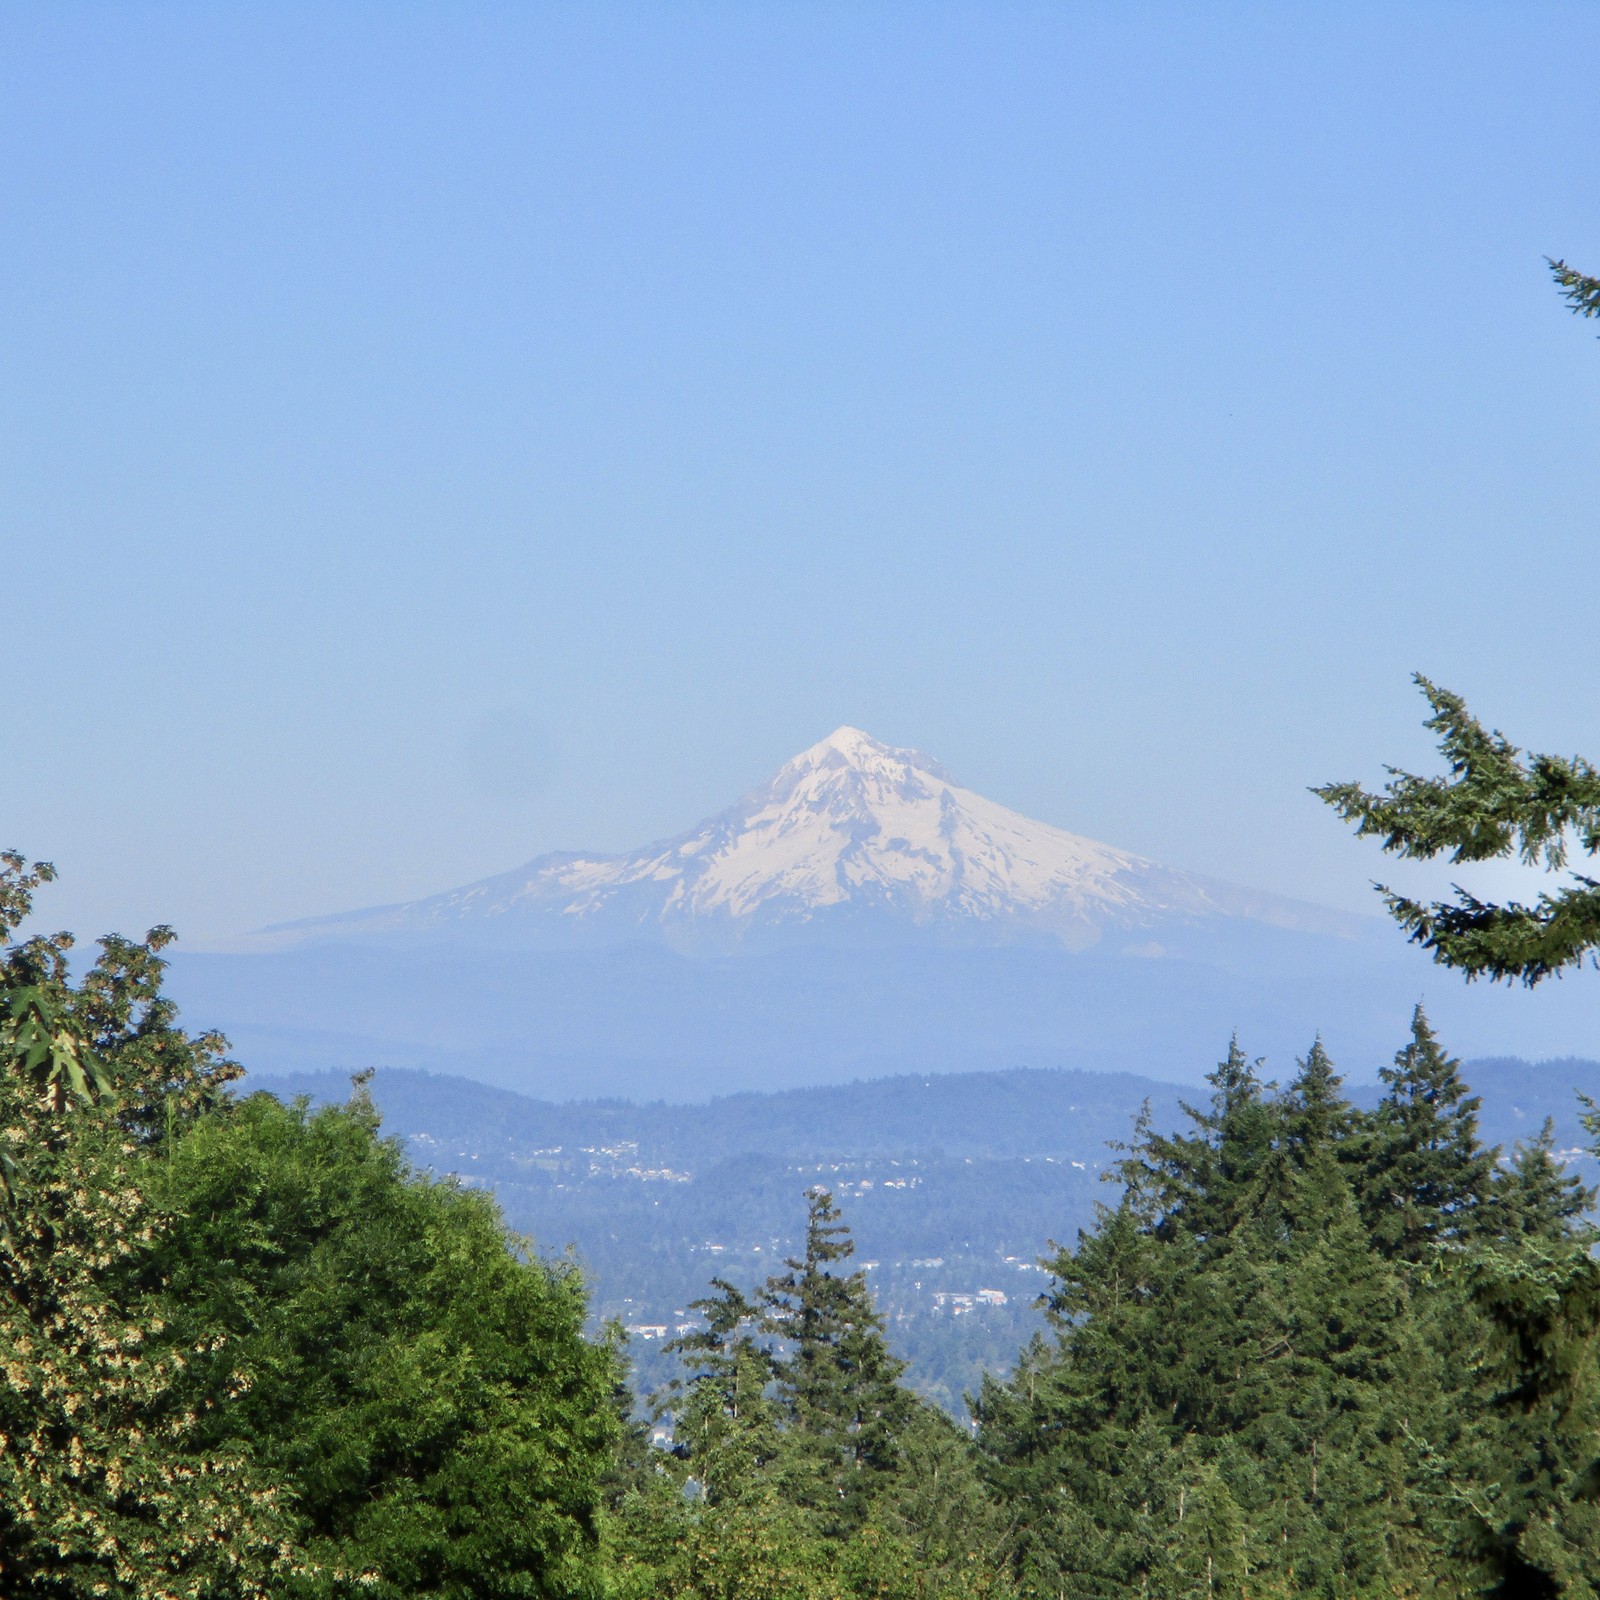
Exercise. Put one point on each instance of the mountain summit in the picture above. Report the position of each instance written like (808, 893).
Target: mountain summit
(859, 914)
(852, 837)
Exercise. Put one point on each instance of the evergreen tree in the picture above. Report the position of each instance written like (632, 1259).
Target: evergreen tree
(838, 1385)
(1202, 1181)
(1581, 293)
(1529, 1480)
(1347, 1389)
(1535, 1196)
(1209, 1545)
(937, 1514)
(1425, 1175)
(1495, 804)
(1317, 1117)
(725, 1424)
(1073, 1441)
(1309, 1121)
(809, 1471)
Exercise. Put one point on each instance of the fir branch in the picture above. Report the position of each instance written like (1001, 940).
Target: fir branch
(1495, 802)
(1581, 293)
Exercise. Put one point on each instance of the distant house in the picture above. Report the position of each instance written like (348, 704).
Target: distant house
(959, 1305)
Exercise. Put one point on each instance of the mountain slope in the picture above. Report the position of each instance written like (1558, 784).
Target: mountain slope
(851, 837)
(859, 914)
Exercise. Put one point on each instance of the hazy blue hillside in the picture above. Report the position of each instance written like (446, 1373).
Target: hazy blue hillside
(953, 1184)
(990, 1114)
(644, 1023)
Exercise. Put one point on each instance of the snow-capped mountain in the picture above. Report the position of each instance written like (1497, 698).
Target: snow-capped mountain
(852, 836)
(859, 914)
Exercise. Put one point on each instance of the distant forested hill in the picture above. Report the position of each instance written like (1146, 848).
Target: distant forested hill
(953, 1184)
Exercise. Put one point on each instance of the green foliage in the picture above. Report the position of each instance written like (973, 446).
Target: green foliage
(1202, 1181)
(427, 1393)
(1514, 1306)
(800, 1466)
(1527, 1479)
(109, 1483)
(246, 1350)
(1536, 1197)
(839, 1387)
(1425, 1177)
(727, 1423)
(937, 1508)
(1313, 1352)
(1581, 294)
(45, 1051)
(1495, 803)
(243, 1349)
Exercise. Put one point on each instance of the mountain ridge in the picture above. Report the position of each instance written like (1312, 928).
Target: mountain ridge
(859, 913)
(850, 838)
(951, 1182)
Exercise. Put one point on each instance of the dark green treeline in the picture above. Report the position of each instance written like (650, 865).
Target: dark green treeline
(1312, 1351)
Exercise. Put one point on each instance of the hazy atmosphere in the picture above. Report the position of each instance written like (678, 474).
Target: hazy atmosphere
(436, 435)
(816, 689)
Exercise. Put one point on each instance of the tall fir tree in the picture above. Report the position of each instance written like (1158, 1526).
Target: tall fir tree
(1202, 1181)
(725, 1423)
(1426, 1176)
(936, 1510)
(1317, 1117)
(1528, 1477)
(1308, 1121)
(1535, 1195)
(838, 1384)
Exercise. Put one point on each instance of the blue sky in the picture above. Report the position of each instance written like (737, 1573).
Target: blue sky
(437, 434)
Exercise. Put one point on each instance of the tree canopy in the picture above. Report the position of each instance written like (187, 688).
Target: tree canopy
(246, 1350)
(1305, 1355)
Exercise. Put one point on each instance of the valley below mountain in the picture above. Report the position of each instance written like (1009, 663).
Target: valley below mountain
(953, 1185)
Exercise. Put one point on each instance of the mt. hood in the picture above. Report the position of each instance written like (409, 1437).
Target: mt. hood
(857, 915)
(852, 838)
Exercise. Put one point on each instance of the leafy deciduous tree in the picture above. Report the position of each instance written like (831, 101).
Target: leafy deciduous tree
(109, 1483)
(423, 1386)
